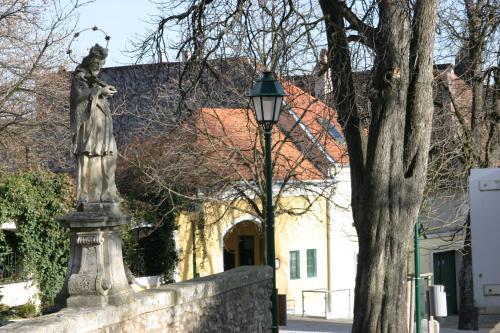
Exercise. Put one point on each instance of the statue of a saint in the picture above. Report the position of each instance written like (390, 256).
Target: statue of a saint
(93, 143)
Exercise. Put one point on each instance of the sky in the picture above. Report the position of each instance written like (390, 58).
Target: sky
(121, 19)
(126, 20)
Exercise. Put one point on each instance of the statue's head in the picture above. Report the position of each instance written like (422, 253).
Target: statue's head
(95, 59)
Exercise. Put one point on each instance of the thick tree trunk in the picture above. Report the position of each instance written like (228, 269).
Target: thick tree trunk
(388, 174)
(380, 295)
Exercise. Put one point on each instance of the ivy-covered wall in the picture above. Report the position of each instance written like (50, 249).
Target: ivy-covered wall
(33, 200)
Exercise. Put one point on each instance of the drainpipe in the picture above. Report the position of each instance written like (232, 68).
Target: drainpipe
(328, 256)
(328, 244)
(193, 236)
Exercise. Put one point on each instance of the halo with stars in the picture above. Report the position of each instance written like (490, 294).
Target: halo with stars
(69, 51)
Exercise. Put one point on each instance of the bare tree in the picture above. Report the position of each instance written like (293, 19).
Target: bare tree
(471, 29)
(32, 37)
(388, 165)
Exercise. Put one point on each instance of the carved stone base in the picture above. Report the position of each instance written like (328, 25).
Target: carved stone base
(96, 275)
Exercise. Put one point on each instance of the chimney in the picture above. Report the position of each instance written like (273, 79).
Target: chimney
(186, 55)
(322, 78)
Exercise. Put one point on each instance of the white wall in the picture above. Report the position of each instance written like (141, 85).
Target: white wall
(484, 197)
(19, 293)
(343, 249)
(337, 268)
(147, 282)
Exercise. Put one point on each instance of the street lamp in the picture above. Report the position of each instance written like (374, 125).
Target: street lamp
(266, 98)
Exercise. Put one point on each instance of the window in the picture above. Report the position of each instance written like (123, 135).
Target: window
(294, 265)
(334, 133)
(311, 263)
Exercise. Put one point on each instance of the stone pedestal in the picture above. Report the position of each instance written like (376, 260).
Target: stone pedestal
(96, 275)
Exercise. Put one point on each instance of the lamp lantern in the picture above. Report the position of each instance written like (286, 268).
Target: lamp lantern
(266, 98)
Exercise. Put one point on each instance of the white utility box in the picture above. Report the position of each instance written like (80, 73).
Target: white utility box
(437, 301)
(484, 198)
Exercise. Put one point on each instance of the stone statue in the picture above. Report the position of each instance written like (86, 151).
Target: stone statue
(93, 143)
(96, 275)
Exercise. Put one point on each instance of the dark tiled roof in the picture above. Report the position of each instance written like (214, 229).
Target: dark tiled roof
(149, 100)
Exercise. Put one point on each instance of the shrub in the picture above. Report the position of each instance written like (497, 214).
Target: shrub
(28, 310)
(34, 200)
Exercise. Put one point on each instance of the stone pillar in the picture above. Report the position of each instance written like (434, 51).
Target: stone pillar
(96, 274)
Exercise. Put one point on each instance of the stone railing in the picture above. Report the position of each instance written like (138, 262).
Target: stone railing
(234, 301)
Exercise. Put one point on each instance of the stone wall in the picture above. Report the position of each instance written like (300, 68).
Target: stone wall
(234, 301)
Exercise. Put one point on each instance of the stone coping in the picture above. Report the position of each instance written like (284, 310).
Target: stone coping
(81, 320)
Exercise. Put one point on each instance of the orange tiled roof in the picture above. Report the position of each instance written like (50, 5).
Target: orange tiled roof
(302, 145)
(224, 141)
(314, 115)
(230, 137)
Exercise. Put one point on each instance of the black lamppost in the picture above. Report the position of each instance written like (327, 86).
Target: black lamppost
(266, 98)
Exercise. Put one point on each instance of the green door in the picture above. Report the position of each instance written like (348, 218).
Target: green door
(445, 274)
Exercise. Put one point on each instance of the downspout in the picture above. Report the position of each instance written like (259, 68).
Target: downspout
(328, 244)
(193, 236)
(329, 256)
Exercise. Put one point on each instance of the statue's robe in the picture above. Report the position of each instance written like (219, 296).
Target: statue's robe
(93, 142)
(90, 118)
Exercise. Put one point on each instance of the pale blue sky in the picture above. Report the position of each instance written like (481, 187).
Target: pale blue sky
(125, 20)
(120, 19)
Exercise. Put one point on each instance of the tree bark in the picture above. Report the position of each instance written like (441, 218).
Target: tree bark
(467, 315)
(388, 175)
(478, 157)
(493, 140)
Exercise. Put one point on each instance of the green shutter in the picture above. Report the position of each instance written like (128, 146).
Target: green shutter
(294, 265)
(311, 263)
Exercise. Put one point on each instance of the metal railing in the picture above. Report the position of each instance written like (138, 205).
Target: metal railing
(327, 299)
(425, 282)
(10, 267)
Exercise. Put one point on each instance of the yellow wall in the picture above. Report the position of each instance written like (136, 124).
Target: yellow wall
(245, 228)
(306, 231)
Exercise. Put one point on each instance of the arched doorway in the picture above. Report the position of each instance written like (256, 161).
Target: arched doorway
(243, 245)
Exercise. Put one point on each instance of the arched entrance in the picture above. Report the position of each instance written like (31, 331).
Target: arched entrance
(243, 245)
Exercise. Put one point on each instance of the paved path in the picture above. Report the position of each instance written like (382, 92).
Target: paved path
(296, 324)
